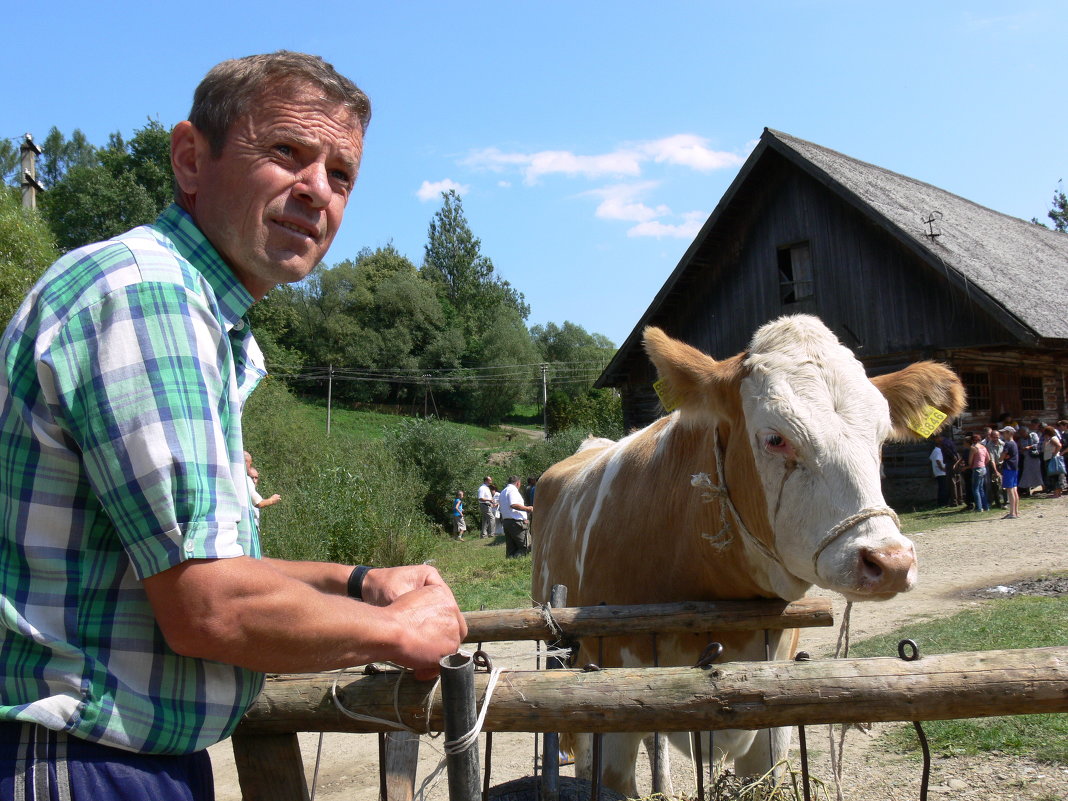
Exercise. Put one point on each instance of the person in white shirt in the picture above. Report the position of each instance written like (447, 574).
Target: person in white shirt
(938, 468)
(516, 523)
(485, 506)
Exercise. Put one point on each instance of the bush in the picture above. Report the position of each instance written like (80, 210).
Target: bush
(354, 504)
(443, 458)
(540, 456)
(598, 411)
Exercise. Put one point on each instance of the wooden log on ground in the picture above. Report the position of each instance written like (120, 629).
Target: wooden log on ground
(496, 625)
(742, 695)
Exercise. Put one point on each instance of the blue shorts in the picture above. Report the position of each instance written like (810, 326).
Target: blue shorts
(1010, 479)
(38, 764)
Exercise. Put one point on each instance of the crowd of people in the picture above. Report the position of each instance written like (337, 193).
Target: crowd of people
(993, 467)
(504, 512)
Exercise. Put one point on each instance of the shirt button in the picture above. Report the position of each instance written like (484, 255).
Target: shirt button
(239, 325)
(190, 546)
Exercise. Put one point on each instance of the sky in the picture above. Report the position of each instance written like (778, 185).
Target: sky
(588, 140)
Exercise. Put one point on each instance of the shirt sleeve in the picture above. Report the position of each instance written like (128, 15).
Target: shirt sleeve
(141, 383)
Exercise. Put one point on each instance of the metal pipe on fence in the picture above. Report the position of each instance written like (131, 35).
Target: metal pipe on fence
(733, 695)
(460, 710)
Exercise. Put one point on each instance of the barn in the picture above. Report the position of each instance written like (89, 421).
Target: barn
(900, 270)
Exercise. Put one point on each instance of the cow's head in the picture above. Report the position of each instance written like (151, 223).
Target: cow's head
(801, 427)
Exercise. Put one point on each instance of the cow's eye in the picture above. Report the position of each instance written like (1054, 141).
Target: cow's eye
(776, 443)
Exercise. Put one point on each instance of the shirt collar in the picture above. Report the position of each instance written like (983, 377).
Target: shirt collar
(233, 299)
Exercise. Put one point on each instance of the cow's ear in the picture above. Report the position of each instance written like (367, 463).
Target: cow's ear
(910, 391)
(688, 376)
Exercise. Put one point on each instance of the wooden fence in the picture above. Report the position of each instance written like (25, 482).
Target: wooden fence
(736, 695)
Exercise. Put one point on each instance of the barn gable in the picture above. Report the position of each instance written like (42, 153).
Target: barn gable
(897, 268)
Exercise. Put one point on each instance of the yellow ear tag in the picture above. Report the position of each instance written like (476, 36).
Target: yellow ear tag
(930, 422)
(667, 400)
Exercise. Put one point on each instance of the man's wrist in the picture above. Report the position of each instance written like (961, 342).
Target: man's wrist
(354, 587)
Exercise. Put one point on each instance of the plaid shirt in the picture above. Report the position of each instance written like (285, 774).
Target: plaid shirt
(122, 379)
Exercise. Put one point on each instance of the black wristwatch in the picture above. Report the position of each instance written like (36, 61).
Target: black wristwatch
(354, 588)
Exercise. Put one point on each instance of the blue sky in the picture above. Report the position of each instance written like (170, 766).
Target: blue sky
(589, 140)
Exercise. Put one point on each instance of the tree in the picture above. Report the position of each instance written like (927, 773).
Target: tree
(453, 260)
(576, 357)
(1059, 210)
(95, 193)
(26, 249)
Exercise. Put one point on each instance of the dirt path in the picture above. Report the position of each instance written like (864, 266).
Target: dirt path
(953, 560)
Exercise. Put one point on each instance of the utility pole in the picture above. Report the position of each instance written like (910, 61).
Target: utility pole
(545, 398)
(329, 392)
(30, 187)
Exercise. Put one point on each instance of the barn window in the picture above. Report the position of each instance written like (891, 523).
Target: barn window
(1031, 396)
(795, 273)
(977, 385)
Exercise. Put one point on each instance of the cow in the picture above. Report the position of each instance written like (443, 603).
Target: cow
(764, 481)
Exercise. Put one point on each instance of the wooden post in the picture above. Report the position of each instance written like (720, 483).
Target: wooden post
(269, 767)
(402, 759)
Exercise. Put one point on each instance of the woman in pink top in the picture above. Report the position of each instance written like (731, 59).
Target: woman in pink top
(977, 461)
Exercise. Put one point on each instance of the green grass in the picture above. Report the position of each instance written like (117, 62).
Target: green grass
(937, 517)
(479, 574)
(1021, 622)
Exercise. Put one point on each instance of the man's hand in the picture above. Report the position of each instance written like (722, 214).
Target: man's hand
(433, 627)
(383, 585)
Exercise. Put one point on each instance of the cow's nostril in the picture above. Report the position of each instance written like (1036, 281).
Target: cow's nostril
(887, 569)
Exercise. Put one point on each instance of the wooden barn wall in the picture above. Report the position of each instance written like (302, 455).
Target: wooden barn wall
(870, 290)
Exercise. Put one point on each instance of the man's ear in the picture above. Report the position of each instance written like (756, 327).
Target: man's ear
(188, 149)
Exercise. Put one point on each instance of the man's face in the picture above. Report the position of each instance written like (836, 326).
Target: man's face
(273, 200)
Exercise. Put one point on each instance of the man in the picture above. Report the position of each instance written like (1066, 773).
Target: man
(1010, 472)
(514, 516)
(137, 617)
(938, 469)
(954, 465)
(485, 508)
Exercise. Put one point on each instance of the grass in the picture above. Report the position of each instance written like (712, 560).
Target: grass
(936, 517)
(481, 577)
(1021, 622)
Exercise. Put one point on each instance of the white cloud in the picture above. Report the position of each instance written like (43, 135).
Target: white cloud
(685, 150)
(687, 229)
(549, 162)
(431, 190)
(620, 202)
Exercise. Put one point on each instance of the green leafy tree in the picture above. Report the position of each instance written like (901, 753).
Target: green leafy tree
(95, 193)
(1058, 212)
(576, 357)
(597, 412)
(26, 249)
(453, 259)
(10, 162)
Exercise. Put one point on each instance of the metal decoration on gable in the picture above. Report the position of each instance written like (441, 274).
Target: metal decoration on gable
(932, 222)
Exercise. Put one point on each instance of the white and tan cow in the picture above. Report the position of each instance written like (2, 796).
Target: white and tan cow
(763, 482)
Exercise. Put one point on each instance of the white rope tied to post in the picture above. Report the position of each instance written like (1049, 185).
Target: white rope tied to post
(461, 744)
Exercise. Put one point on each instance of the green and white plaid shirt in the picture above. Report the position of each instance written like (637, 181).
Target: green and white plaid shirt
(122, 379)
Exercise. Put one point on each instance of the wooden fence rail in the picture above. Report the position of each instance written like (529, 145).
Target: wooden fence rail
(497, 625)
(743, 695)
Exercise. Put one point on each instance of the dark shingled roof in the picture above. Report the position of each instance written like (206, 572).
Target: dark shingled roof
(1014, 268)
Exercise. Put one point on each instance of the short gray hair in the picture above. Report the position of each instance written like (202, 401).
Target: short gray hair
(231, 87)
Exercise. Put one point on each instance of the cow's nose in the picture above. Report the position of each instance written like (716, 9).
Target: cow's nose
(887, 570)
